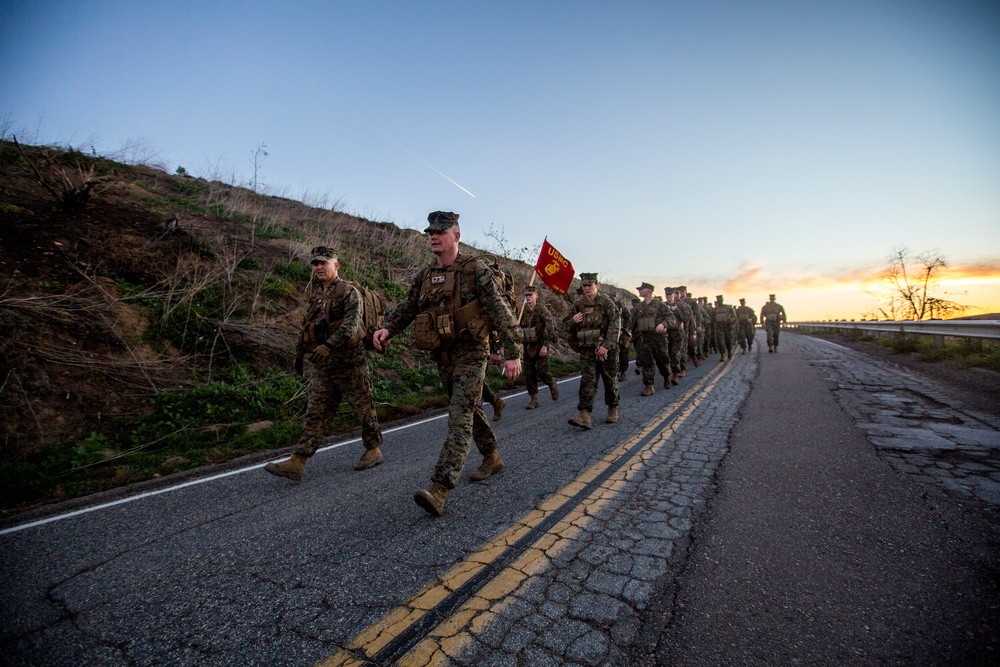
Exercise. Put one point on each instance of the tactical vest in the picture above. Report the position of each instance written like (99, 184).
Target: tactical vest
(443, 319)
(325, 313)
(723, 314)
(589, 333)
(646, 319)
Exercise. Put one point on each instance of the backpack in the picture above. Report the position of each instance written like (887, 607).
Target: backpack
(504, 280)
(372, 313)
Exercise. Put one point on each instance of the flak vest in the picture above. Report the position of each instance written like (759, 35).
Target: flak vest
(444, 320)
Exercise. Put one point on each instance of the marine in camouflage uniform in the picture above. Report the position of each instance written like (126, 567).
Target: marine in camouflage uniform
(725, 328)
(676, 340)
(706, 322)
(538, 333)
(625, 338)
(454, 302)
(697, 328)
(773, 314)
(594, 328)
(336, 367)
(690, 326)
(746, 322)
(649, 331)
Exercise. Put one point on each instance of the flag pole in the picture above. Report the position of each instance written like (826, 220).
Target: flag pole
(520, 311)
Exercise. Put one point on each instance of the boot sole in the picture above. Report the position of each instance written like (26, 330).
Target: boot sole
(426, 502)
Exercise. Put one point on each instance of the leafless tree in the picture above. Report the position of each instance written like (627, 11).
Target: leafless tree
(911, 282)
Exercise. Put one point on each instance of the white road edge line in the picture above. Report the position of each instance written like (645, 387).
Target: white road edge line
(212, 478)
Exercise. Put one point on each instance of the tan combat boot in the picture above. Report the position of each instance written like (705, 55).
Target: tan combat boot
(498, 409)
(533, 403)
(622, 376)
(371, 458)
(432, 499)
(582, 420)
(647, 390)
(492, 463)
(292, 468)
(612, 417)
(678, 375)
(554, 390)
(666, 382)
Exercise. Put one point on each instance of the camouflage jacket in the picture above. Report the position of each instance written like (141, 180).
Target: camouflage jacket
(773, 311)
(544, 327)
(333, 316)
(485, 287)
(746, 314)
(686, 316)
(610, 323)
(695, 312)
(648, 315)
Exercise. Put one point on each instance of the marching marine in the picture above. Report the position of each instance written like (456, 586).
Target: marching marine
(773, 314)
(538, 333)
(746, 323)
(653, 319)
(336, 367)
(725, 328)
(454, 303)
(594, 327)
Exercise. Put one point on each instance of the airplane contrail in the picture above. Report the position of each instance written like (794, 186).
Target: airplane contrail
(428, 164)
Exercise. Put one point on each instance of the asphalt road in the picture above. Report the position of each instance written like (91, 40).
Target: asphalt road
(806, 507)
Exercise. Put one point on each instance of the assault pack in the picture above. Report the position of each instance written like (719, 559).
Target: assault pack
(372, 315)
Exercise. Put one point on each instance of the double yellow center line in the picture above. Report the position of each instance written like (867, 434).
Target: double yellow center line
(437, 621)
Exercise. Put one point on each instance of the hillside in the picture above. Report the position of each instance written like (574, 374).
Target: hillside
(147, 320)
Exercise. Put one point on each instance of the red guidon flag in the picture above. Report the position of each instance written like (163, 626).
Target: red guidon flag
(555, 270)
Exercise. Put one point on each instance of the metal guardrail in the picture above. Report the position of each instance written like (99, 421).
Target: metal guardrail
(982, 329)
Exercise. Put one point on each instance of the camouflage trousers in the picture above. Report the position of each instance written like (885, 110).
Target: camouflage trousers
(489, 396)
(675, 347)
(623, 352)
(653, 353)
(773, 329)
(463, 371)
(329, 384)
(535, 368)
(725, 338)
(744, 335)
(592, 370)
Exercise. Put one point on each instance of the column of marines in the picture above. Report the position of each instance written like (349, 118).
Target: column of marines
(462, 317)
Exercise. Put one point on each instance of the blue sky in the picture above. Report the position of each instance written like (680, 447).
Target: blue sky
(738, 147)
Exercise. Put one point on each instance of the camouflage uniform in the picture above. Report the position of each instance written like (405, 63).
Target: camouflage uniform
(675, 335)
(540, 327)
(706, 322)
(592, 368)
(773, 314)
(725, 328)
(696, 328)
(334, 315)
(625, 338)
(652, 348)
(710, 328)
(746, 321)
(462, 361)
(690, 328)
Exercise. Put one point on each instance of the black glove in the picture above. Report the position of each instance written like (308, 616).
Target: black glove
(320, 354)
(298, 365)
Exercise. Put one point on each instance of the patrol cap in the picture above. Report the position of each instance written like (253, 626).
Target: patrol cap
(588, 278)
(321, 253)
(668, 290)
(644, 286)
(440, 221)
(530, 289)
(771, 296)
(742, 301)
(718, 297)
(682, 288)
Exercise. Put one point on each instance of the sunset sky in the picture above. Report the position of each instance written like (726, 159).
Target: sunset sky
(739, 148)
